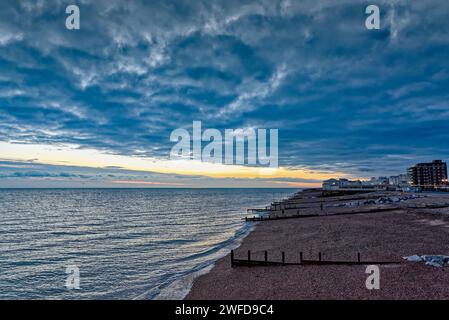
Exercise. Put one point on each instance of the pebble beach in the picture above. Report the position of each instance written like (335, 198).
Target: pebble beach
(381, 226)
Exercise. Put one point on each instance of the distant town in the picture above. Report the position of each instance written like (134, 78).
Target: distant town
(421, 177)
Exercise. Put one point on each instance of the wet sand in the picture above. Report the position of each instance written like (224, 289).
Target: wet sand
(379, 236)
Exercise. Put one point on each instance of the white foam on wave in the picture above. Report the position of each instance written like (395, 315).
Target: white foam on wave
(180, 288)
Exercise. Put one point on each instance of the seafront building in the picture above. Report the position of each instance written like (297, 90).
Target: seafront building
(381, 183)
(401, 180)
(429, 175)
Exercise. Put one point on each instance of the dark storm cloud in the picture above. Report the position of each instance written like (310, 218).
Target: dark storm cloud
(344, 98)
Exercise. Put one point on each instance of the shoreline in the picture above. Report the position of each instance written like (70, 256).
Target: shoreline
(182, 287)
(179, 288)
(415, 225)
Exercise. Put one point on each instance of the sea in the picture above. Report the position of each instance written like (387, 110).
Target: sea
(118, 243)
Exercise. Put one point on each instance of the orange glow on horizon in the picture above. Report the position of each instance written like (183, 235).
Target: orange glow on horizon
(71, 155)
(151, 183)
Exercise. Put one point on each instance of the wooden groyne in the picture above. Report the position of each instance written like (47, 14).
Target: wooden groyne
(302, 216)
(312, 203)
(249, 262)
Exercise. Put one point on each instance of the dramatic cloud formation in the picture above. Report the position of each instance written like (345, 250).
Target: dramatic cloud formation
(345, 99)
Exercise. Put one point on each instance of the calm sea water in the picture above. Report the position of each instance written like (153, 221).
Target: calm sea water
(127, 243)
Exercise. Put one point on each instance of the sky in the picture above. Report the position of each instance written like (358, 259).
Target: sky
(95, 107)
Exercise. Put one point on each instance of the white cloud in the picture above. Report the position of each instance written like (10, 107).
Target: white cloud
(7, 38)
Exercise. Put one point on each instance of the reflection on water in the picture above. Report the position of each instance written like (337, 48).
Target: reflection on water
(126, 242)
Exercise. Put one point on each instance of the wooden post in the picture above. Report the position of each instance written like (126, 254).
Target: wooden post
(319, 256)
(300, 257)
(232, 258)
(266, 257)
(283, 258)
(249, 257)
(358, 257)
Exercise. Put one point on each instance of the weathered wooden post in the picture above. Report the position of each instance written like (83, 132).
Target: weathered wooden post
(319, 256)
(249, 257)
(283, 258)
(300, 257)
(232, 258)
(358, 257)
(266, 257)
